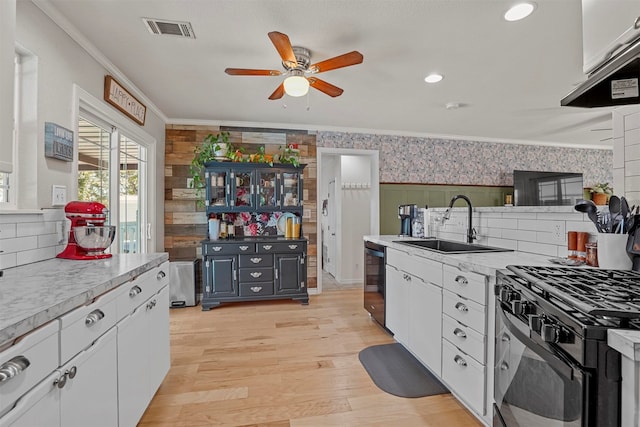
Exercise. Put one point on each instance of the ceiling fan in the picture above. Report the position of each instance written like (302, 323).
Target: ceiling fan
(296, 62)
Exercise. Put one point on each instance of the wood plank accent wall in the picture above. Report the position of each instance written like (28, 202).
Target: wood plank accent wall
(185, 223)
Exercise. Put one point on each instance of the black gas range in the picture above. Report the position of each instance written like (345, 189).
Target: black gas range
(553, 364)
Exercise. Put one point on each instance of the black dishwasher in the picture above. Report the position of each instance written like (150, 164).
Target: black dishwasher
(374, 280)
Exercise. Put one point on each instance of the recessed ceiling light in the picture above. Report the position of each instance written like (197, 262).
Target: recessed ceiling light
(519, 11)
(433, 78)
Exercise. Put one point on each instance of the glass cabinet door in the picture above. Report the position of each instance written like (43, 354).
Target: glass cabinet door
(266, 185)
(290, 189)
(218, 188)
(243, 189)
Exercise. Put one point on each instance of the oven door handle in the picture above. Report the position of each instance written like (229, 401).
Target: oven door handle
(377, 254)
(556, 360)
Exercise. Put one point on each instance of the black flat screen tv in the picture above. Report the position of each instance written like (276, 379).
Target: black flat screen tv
(534, 188)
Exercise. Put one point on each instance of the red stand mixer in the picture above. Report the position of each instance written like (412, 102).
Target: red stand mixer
(88, 236)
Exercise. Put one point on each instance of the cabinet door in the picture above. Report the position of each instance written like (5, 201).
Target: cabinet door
(243, 190)
(218, 187)
(288, 274)
(158, 333)
(291, 189)
(90, 398)
(425, 328)
(267, 195)
(40, 407)
(397, 304)
(221, 276)
(132, 366)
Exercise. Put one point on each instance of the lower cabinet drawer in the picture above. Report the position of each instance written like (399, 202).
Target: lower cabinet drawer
(281, 247)
(257, 288)
(466, 339)
(27, 362)
(256, 274)
(256, 260)
(82, 326)
(464, 375)
(465, 311)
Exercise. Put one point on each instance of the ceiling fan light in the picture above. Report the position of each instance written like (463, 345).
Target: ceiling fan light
(519, 11)
(296, 85)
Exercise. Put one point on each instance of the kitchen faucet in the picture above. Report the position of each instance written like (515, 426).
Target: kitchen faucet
(471, 232)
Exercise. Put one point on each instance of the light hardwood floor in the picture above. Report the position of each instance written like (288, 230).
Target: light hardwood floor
(284, 364)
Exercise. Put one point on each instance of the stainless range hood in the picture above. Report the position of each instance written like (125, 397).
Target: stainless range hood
(614, 83)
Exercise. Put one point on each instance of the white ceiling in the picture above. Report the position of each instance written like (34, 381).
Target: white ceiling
(509, 77)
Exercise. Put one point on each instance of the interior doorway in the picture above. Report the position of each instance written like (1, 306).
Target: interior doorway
(348, 208)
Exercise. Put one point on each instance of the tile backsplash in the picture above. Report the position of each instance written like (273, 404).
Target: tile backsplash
(538, 230)
(31, 237)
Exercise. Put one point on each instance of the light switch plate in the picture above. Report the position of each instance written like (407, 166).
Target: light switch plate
(58, 195)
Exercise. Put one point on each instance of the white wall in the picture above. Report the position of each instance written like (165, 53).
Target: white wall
(7, 30)
(61, 64)
(355, 215)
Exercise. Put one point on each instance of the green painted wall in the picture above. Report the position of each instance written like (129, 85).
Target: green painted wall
(392, 195)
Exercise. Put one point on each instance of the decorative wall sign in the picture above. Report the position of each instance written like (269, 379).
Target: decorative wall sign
(116, 95)
(58, 142)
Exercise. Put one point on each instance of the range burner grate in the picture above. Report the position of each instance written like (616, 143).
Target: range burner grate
(596, 292)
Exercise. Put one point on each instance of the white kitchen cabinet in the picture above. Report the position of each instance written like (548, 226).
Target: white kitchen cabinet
(90, 396)
(425, 307)
(143, 342)
(464, 376)
(397, 304)
(413, 303)
(143, 356)
(607, 26)
(40, 407)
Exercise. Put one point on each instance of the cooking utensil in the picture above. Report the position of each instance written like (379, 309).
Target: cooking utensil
(614, 208)
(588, 207)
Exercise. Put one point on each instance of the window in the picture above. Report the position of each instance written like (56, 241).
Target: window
(112, 171)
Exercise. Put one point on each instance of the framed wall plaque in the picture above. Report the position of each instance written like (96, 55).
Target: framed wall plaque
(116, 95)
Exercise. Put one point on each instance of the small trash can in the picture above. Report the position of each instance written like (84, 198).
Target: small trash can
(182, 285)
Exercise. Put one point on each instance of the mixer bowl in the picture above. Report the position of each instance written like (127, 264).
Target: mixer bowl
(94, 239)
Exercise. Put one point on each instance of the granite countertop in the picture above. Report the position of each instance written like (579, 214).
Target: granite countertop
(34, 294)
(482, 263)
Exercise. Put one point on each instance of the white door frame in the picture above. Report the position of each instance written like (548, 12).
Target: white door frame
(374, 156)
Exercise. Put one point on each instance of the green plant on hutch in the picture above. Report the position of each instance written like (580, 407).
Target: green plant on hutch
(214, 147)
(289, 155)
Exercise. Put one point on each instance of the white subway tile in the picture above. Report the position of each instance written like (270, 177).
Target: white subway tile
(7, 261)
(632, 123)
(619, 154)
(539, 225)
(632, 152)
(526, 235)
(556, 216)
(538, 248)
(19, 244)
(35, 228)
(7, 231)
(27, 257)
(519, 215)
(503, 223)
(553, 238)
(504, 243)
(47, 240)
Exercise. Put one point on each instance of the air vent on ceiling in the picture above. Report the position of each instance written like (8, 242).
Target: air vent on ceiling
(169, 28)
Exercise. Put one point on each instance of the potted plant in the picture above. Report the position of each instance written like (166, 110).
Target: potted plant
(289, 155)
(600, 193)
(211, 149)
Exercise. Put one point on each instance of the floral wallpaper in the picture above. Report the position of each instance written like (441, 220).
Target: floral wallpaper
(406, 159)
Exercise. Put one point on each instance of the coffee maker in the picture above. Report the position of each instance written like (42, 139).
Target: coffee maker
(406, 213)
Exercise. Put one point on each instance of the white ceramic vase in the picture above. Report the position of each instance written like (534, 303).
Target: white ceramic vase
(612, 251)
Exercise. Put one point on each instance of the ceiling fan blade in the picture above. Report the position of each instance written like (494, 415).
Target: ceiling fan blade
(278, 93)
(325, 87)
(351, 58)
(283, 46)
(249, 72)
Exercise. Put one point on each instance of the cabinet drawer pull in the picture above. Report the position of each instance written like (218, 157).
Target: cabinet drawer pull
(161, 275)
(267, 247)
(461, 280)
(256, 260)
(275, 272)
(459, 333)
(93, 317)
(71, 373)
(256, 289)
(136, 290)
(505, 338)
(235, 275)
(293, 246)
(460, 361)
(60, 382)
(13, 367)
(243, 247)
(504, 366)
(255, 274)
(216, 248)
(462, 308)
(151, 304)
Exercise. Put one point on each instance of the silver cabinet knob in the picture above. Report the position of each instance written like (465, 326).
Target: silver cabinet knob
(94, 317)
(461, 307)
(256, 289)
(161, 275)
(243, 247)
(60, 382)
(255, 274)
(216, 248)
(267, 247)
(13, 367)
(293, 246)
(461, 280)
(459, 333)
(256, 260)
(460, 360)
(136, 290)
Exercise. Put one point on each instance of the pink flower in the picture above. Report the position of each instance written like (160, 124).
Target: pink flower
(264, 217)
(253, 229)
(245, 216)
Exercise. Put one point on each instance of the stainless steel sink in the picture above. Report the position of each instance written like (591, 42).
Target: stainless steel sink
(450, 247)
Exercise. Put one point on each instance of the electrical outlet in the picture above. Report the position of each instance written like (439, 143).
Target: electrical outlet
(558, 231)
(58, 195)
